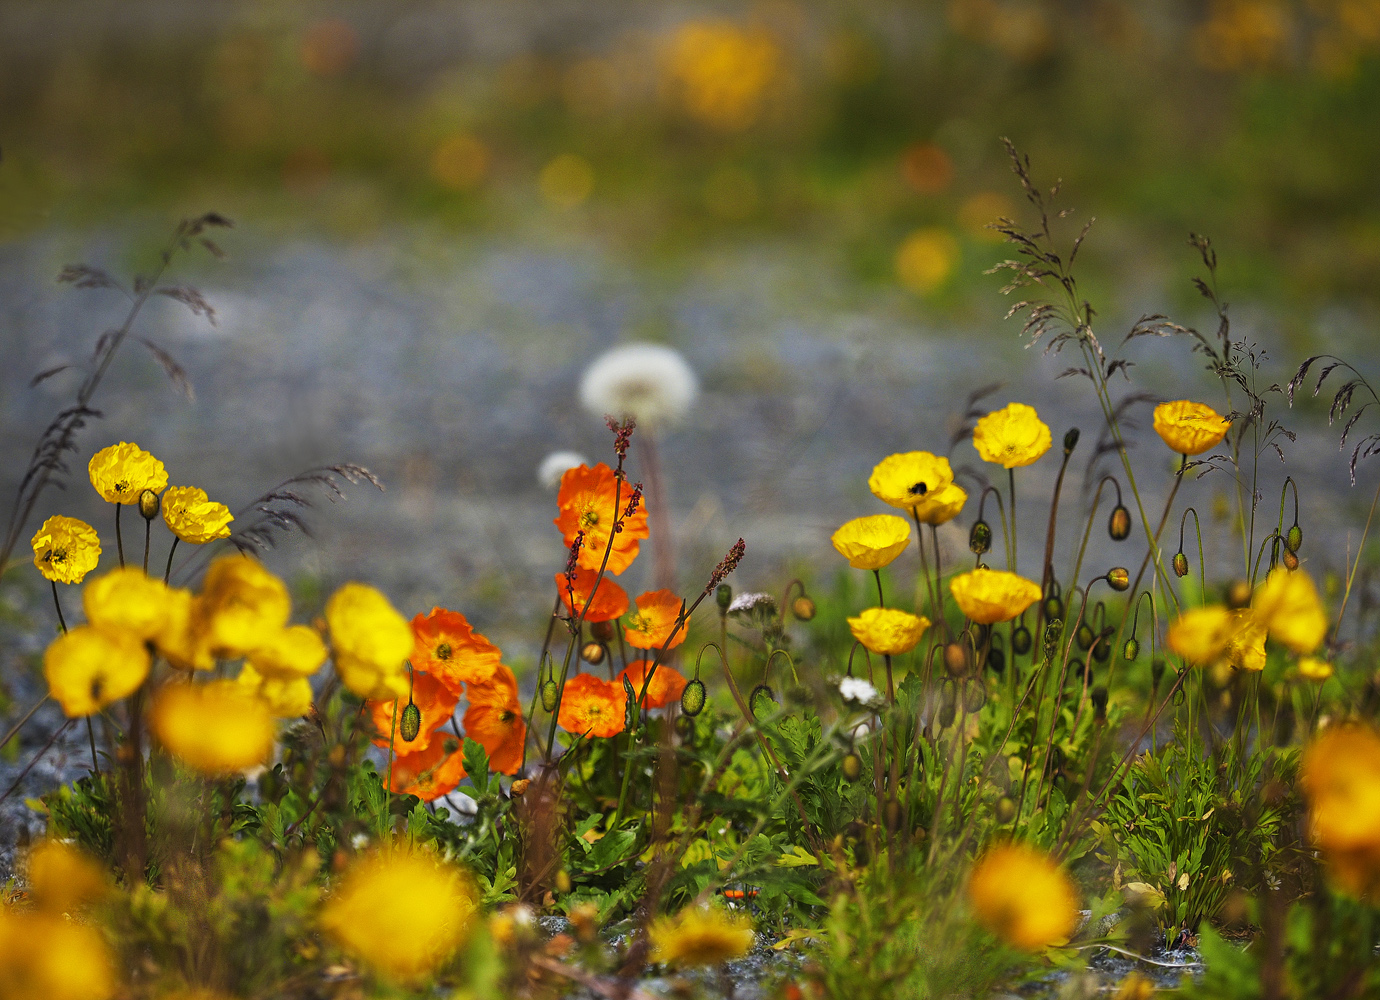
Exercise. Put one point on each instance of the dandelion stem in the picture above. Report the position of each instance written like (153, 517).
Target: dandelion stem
(119, 536)
(171, 549)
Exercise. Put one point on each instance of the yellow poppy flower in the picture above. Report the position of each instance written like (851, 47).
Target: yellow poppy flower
(123, 471)
(193, 518)
(1023, 896)
(701, 935)
(402, 912)
(888, 631)
(1288, 603)
(214, 728)
(1013, 437)
(918, 481)
(46, 956)
(66, 549)
(992, 595)
(87, 668)
(296, 651)
(1340, 775)
(242, 606)
(183, 641)
(371, 641)
(1313, 669)
(872, 542)
(1190, 428)
(127, 600)
(1246, 647)
(63, 879)
(286, 697)
(1201, 635)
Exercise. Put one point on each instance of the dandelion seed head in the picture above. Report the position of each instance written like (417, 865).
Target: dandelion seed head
(651, 383)
(555, 465)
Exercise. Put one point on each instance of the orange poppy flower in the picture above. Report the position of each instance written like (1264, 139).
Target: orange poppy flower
(592, 707)
(587, 504)
(436, 702)
(610, 600)
(666, 687)
(448, 648)
(430, 773)
(494, 719)
(651, 624)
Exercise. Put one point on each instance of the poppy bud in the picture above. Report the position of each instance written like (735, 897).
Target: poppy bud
(956, 659)
(410, 725)
(563, 881)
(1119, 578)
(723, 596)
(948, 704)
(1156, 671)
(1070, 440)
(1180, 564)
(996, 661)
(1020, 640)
(692, 697)
(1238, 595)
(1291, 561)
(980, 537)
(1131, 650)
(1085, 636)
(1099, 701)
(1293, 539)
(803, 608)
(1053, 632)
(947, 712)
(1054, 608)
(893, 815)
(520, 786)
(1119, 524)
(1005, 810)
(592, 653)
(974, 697)
(550, 694)
(149, 503)
(851, 765)
(1078, 669)
(761, 702)
(1102, 648)
(685, 727)
(602, 632)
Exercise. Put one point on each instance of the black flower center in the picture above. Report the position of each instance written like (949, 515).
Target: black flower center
(919, 490)
(443, 651)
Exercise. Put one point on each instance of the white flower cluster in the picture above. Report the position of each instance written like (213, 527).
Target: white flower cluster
(859, 690)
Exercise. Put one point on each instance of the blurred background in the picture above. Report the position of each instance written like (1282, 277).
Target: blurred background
(445, 210)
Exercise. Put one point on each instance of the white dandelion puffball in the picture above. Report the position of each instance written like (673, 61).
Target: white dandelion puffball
(649, 382)
(555, 465)
(857, 689)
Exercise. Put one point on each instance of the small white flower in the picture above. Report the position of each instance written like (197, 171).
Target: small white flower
(359, 841)
(857, 689)
(555, 465)
(649, 382)
(752, 601)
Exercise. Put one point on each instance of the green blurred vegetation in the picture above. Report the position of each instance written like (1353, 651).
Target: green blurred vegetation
(867, 130)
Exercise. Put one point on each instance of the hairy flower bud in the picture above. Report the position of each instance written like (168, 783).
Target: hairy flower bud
(410, 724)
(1293, 539)
(723, 596)
(1180, 564)
(602, 632)
(803, 608)
(692, 698)
(1098, 696)
(956, 659)
(1102, 648)
(996, 660)
(1119, 578)
(1085, 636)
(1290, 560)
(149, 504)
(1131, 650)
(1119, 524)
(1238, 594)
(1054, 608)
(1053, 632)
(550, 694)
(980, 537)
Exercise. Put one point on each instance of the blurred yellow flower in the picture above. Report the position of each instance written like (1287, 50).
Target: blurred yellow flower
(1023, 896)
(286, 697)
(921, 482)
(1201, 635)
(721, 71)
(371, 641)
(888, 631)
(402, 912)
(1313, 669)
(925, 259)
(297, 651)
(460, 162)
(872, 542)
(45, 956)
(63, 878)
(701, 935)
(1340, 775)
(1246, 647)
(1135, 987)
(127, 600)
(1190, 428)
(1013, 437)
(66, 549)
(242, 606)
(566, 181)
(214, 728)
(992, 595)
(193, 518)
(183, 641)
(87, 668)
(1288, 605)
(123, 471)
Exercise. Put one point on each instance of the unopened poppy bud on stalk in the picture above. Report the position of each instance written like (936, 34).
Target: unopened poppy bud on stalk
(980, 537)
(410, 724)
(1290, 560)
(803, 608)
(1180, 564)
(1119, 524)
(550, 694)
(1131, 650)
(723, 596)
(1119, 578)
(592, 653)
(148, 505)
(1071, 440)
(1293, 539)
(956, 659)
(1099, 701)
(1020, 640)
(851, 765)
(692, 698)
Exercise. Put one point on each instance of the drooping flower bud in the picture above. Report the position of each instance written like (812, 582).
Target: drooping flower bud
(592, 653)
(1102, 648)
(956, 659)
(410, 724)
(1131, 650)
(1119, 578)
(980, 537)
(1005, 810)
(1054, 608)
(1180, 565)
(1085, 636)
(550, 694)
(1070, 440)
(723, 596)
(803, 608)
(1293, 539)
(974, 697)
(1020, 640)
(1099, 701)
(996, 660)
(851, 766)
(692, 698)
(149, 503)
(1119, 524)
(602, 631)
(1290, 560)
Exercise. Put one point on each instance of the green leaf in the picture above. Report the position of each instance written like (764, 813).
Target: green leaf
(612, 848)
(477, 765)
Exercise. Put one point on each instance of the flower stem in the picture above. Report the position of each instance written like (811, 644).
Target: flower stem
(1014, 560)
(148, 527)
(881, 601)
(388, 788)
(119, 536)
(58, 604)
(171, 549)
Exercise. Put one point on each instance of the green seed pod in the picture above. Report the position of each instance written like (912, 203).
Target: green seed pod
(1180, 564)
(803, 608)
(852, 766)
(550, 694)
(410, 724)
(1131, 650)
(1020, 640)
(1119, 578)
(980, 537)
(1070, 440)
(1293, 539)
(948, 704)
(1085, 636)
(1119, 524)
(762, 702)
(1004, 810)
(723, 596)
(692, 698)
